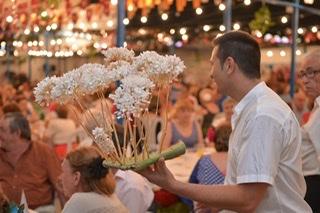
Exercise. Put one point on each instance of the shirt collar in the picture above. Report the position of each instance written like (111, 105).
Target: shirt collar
(317, 102)
(249, 97)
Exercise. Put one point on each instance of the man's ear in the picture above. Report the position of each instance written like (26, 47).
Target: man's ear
(229, 65)
(76, 178)
(17, 133)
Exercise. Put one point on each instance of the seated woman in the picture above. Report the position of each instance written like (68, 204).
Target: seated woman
(61, 132)
(183, 126)
(211, 169)
(88, 184)
(221, 118)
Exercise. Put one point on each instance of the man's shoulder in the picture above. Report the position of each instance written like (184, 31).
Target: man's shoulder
(272, 105)
(41, 147)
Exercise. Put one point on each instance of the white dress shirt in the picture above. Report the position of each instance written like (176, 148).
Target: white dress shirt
(133, 191)
(311, 142)
(264, 147)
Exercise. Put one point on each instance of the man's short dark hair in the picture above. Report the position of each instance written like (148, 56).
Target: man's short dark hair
(17, 122)
(243, 48)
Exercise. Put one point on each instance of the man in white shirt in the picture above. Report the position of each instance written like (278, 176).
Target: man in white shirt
(133, 190)
(310, 76)
(264, 172)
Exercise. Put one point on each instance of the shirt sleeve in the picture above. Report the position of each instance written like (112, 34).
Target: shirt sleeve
(260, 151)
(312, 127)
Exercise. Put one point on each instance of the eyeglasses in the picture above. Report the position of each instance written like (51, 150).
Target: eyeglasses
(308, 73)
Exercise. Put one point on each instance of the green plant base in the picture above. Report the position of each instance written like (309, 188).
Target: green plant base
(170, 153)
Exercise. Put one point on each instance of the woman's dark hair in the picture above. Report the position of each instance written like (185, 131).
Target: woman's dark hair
(93, 176)
(11, 108)
(62, 111)
(222, 137)
(243, 48)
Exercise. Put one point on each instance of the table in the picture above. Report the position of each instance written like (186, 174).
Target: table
(182, 166)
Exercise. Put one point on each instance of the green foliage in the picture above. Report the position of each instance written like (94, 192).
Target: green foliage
(262, 20)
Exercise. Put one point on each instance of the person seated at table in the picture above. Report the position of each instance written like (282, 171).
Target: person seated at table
(221, 118)
(183, 126)
(132, 189)
(89, 186)
(61, 132)
(27, 165)
(211, 169)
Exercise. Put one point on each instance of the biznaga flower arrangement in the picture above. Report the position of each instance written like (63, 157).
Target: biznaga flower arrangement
(138, 77)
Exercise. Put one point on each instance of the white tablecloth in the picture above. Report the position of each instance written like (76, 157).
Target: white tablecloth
(182, 166)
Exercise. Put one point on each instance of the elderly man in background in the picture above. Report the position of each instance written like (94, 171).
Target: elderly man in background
(27, 165)
(310, 76)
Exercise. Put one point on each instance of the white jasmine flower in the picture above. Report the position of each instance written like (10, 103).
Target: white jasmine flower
(94, 77)
(118, 54)
(42, 91)
(66, 86)
(161, 69)
(175, 65)
(121, 69)
(132, 96)
(103, 140)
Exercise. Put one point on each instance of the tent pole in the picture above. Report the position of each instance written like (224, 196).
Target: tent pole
(295, 24)
(121, 27)
(227, 15)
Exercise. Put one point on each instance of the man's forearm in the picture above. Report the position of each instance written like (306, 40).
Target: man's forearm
(240, 198)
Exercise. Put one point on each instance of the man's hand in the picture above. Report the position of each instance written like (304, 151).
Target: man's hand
(159, 174)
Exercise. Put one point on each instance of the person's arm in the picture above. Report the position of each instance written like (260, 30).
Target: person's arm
(240, 198)
(200, 135)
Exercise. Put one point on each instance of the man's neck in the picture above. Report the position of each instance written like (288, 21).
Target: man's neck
(244, 88)
(14, 154)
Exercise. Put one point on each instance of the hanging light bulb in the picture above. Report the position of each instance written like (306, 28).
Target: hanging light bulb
(309, 1)
(126, 21)
(206, 28)
(236, 26)
(9, 19)
(144, 19)
(222, 7)
(222, 28)
(199, 11)
(269, 53)
(314, 29)
(183, 31)
(114, 2)
(284, 19)
(164, 16)
(247, 2)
